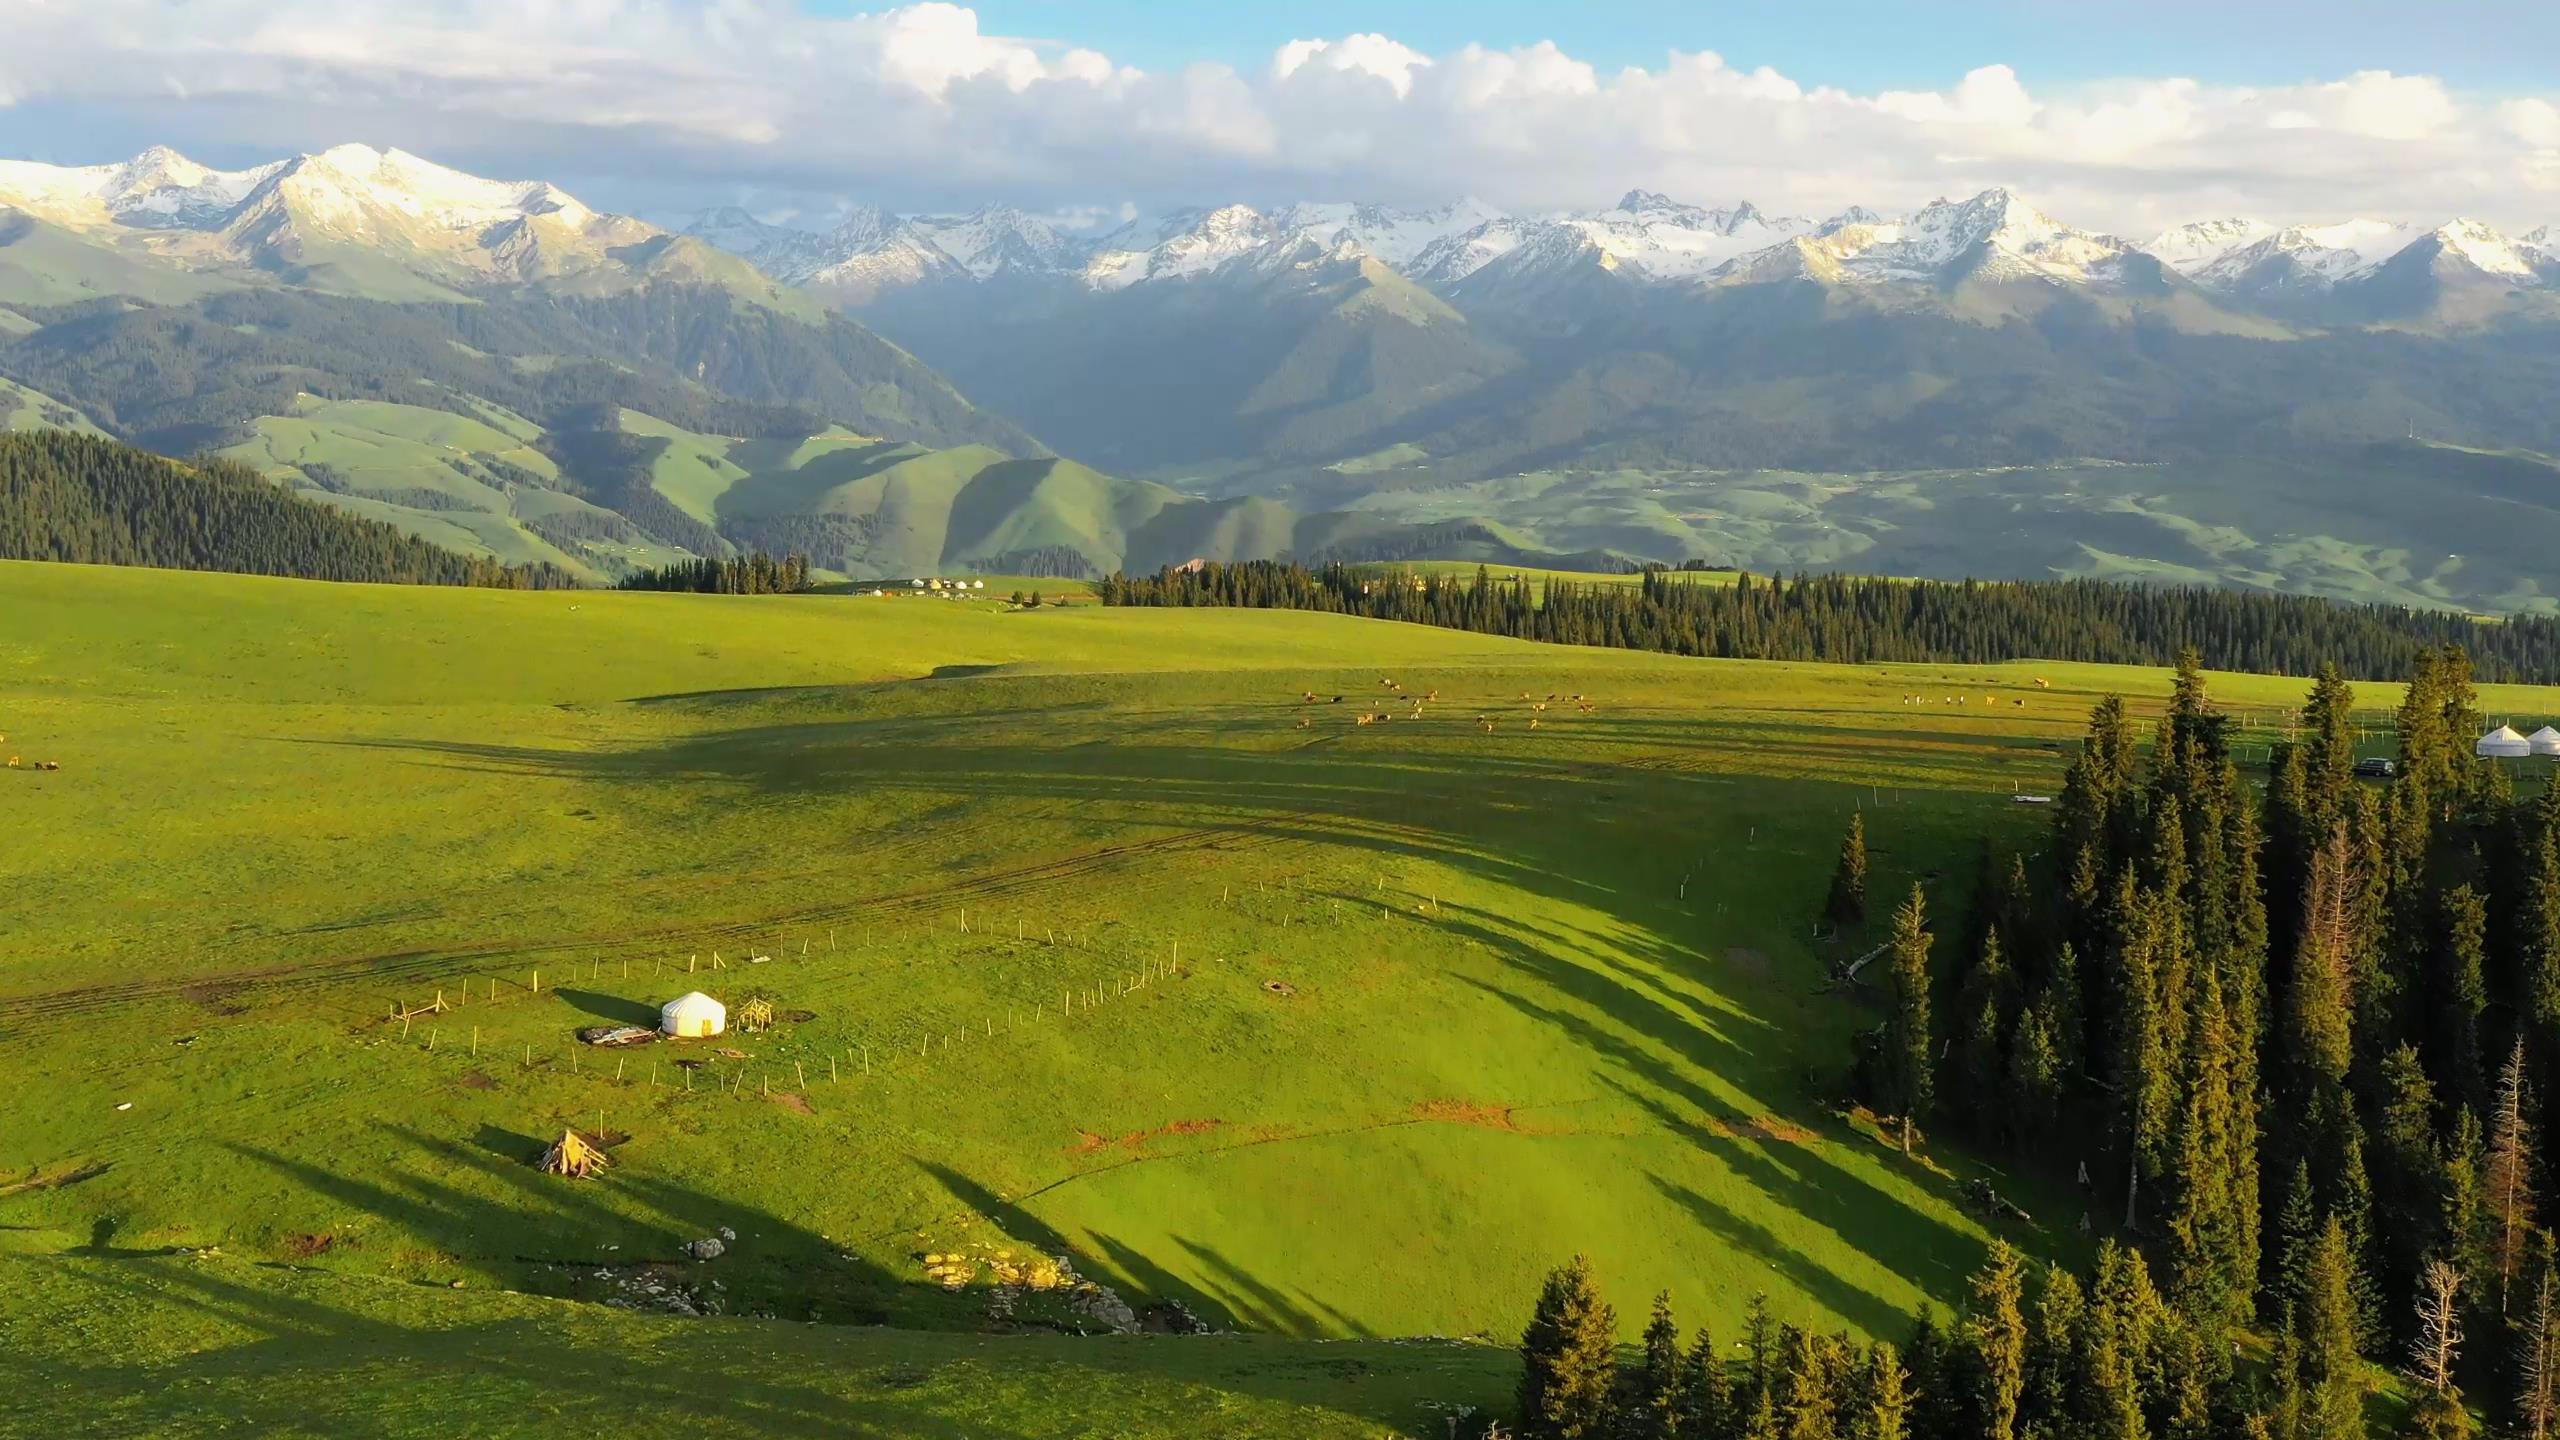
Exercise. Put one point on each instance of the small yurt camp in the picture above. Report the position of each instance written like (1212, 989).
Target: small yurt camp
(2502, 743)
(693, 1016)
(2545, 741)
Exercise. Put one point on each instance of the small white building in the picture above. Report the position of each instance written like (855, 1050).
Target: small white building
(2502, 743)
(2545, 741)
(693, 1016)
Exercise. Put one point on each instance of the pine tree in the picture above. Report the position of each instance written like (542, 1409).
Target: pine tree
(2333, 1375)
(2182, 1406)
(2297, 1226)
(2409, 1165)
(2461, 990)
(1995, 1329)
(2032, 1090)
(1809, 1387)
(1907, 1055)
(2318, 1009)
(1568, 1359)
(2115, 1343)
(1759, 1354)
(2507, 1185)
(1937, 1409)
(1654, 1406)
(2205, 1263)
(2053, 1346)
(1705, 1391)
(2329, 749)
(1982, 1045)
(1847, 904)
(2537, 999)
(1884, 1403)
(2141, 1060)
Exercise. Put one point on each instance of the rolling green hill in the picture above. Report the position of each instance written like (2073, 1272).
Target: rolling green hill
(969, 842)
(68, 496)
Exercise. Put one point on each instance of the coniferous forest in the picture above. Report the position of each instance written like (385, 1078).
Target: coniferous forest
(2292, 1045)
(752, 574)
(1856, 619)
(75, 498)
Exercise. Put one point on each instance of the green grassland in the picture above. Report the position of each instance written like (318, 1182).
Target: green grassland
(1102, 941)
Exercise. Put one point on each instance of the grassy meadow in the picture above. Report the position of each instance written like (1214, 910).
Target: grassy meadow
(1090, 934)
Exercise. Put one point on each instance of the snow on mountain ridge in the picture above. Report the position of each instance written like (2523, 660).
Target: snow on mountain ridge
(2484, 249)
(2307, 257)
(2189, 248)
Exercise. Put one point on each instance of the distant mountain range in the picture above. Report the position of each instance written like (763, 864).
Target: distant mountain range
(1646, 238)
(2231, 400)
(377, 222)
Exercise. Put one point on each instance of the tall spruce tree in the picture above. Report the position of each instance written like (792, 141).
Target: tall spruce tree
(1811, 1385)
(1907, 1058)
(1653, 1409)
(1705, 1390)
(1847, 904)
(2141, 1055)
(1569, 1359)
(1982, 1039)
(1995, 1330)
(2460, 988)
(1884, 1402)
(2334, 1379)
(2207, 1266)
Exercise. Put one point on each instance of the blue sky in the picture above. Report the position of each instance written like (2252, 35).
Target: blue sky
(2495, 46)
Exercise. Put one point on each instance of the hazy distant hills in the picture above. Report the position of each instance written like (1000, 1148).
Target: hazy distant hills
(1660, 379)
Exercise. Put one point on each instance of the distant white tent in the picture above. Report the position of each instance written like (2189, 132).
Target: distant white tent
(2545, 741)
(2502, 743)
(693, 1016)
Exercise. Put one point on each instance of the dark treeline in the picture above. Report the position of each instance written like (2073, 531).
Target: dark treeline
(1853, 619)
(755, 574)
(2034, 1354)
(74, 498)
(2291, 1041)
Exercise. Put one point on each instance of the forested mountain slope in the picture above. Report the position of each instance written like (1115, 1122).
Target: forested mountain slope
(78, 498)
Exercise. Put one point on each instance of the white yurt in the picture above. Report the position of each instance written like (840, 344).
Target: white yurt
(693, 1016)
(2545, 741)
(2502, 743)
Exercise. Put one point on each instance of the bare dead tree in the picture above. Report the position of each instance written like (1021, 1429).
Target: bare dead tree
(2432, 1354)
(2510, 1175)
(2538, 1366)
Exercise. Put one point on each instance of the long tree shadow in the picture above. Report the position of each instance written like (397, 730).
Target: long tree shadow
(515, 1356)
(523, 1225)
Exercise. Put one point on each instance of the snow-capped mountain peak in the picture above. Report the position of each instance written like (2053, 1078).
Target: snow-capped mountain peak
(995, 239)
(1995, 235)
(2189, 248)
(2483, 249)
(2306, 258)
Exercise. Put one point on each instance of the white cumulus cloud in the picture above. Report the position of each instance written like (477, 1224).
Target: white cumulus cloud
(656, 102)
